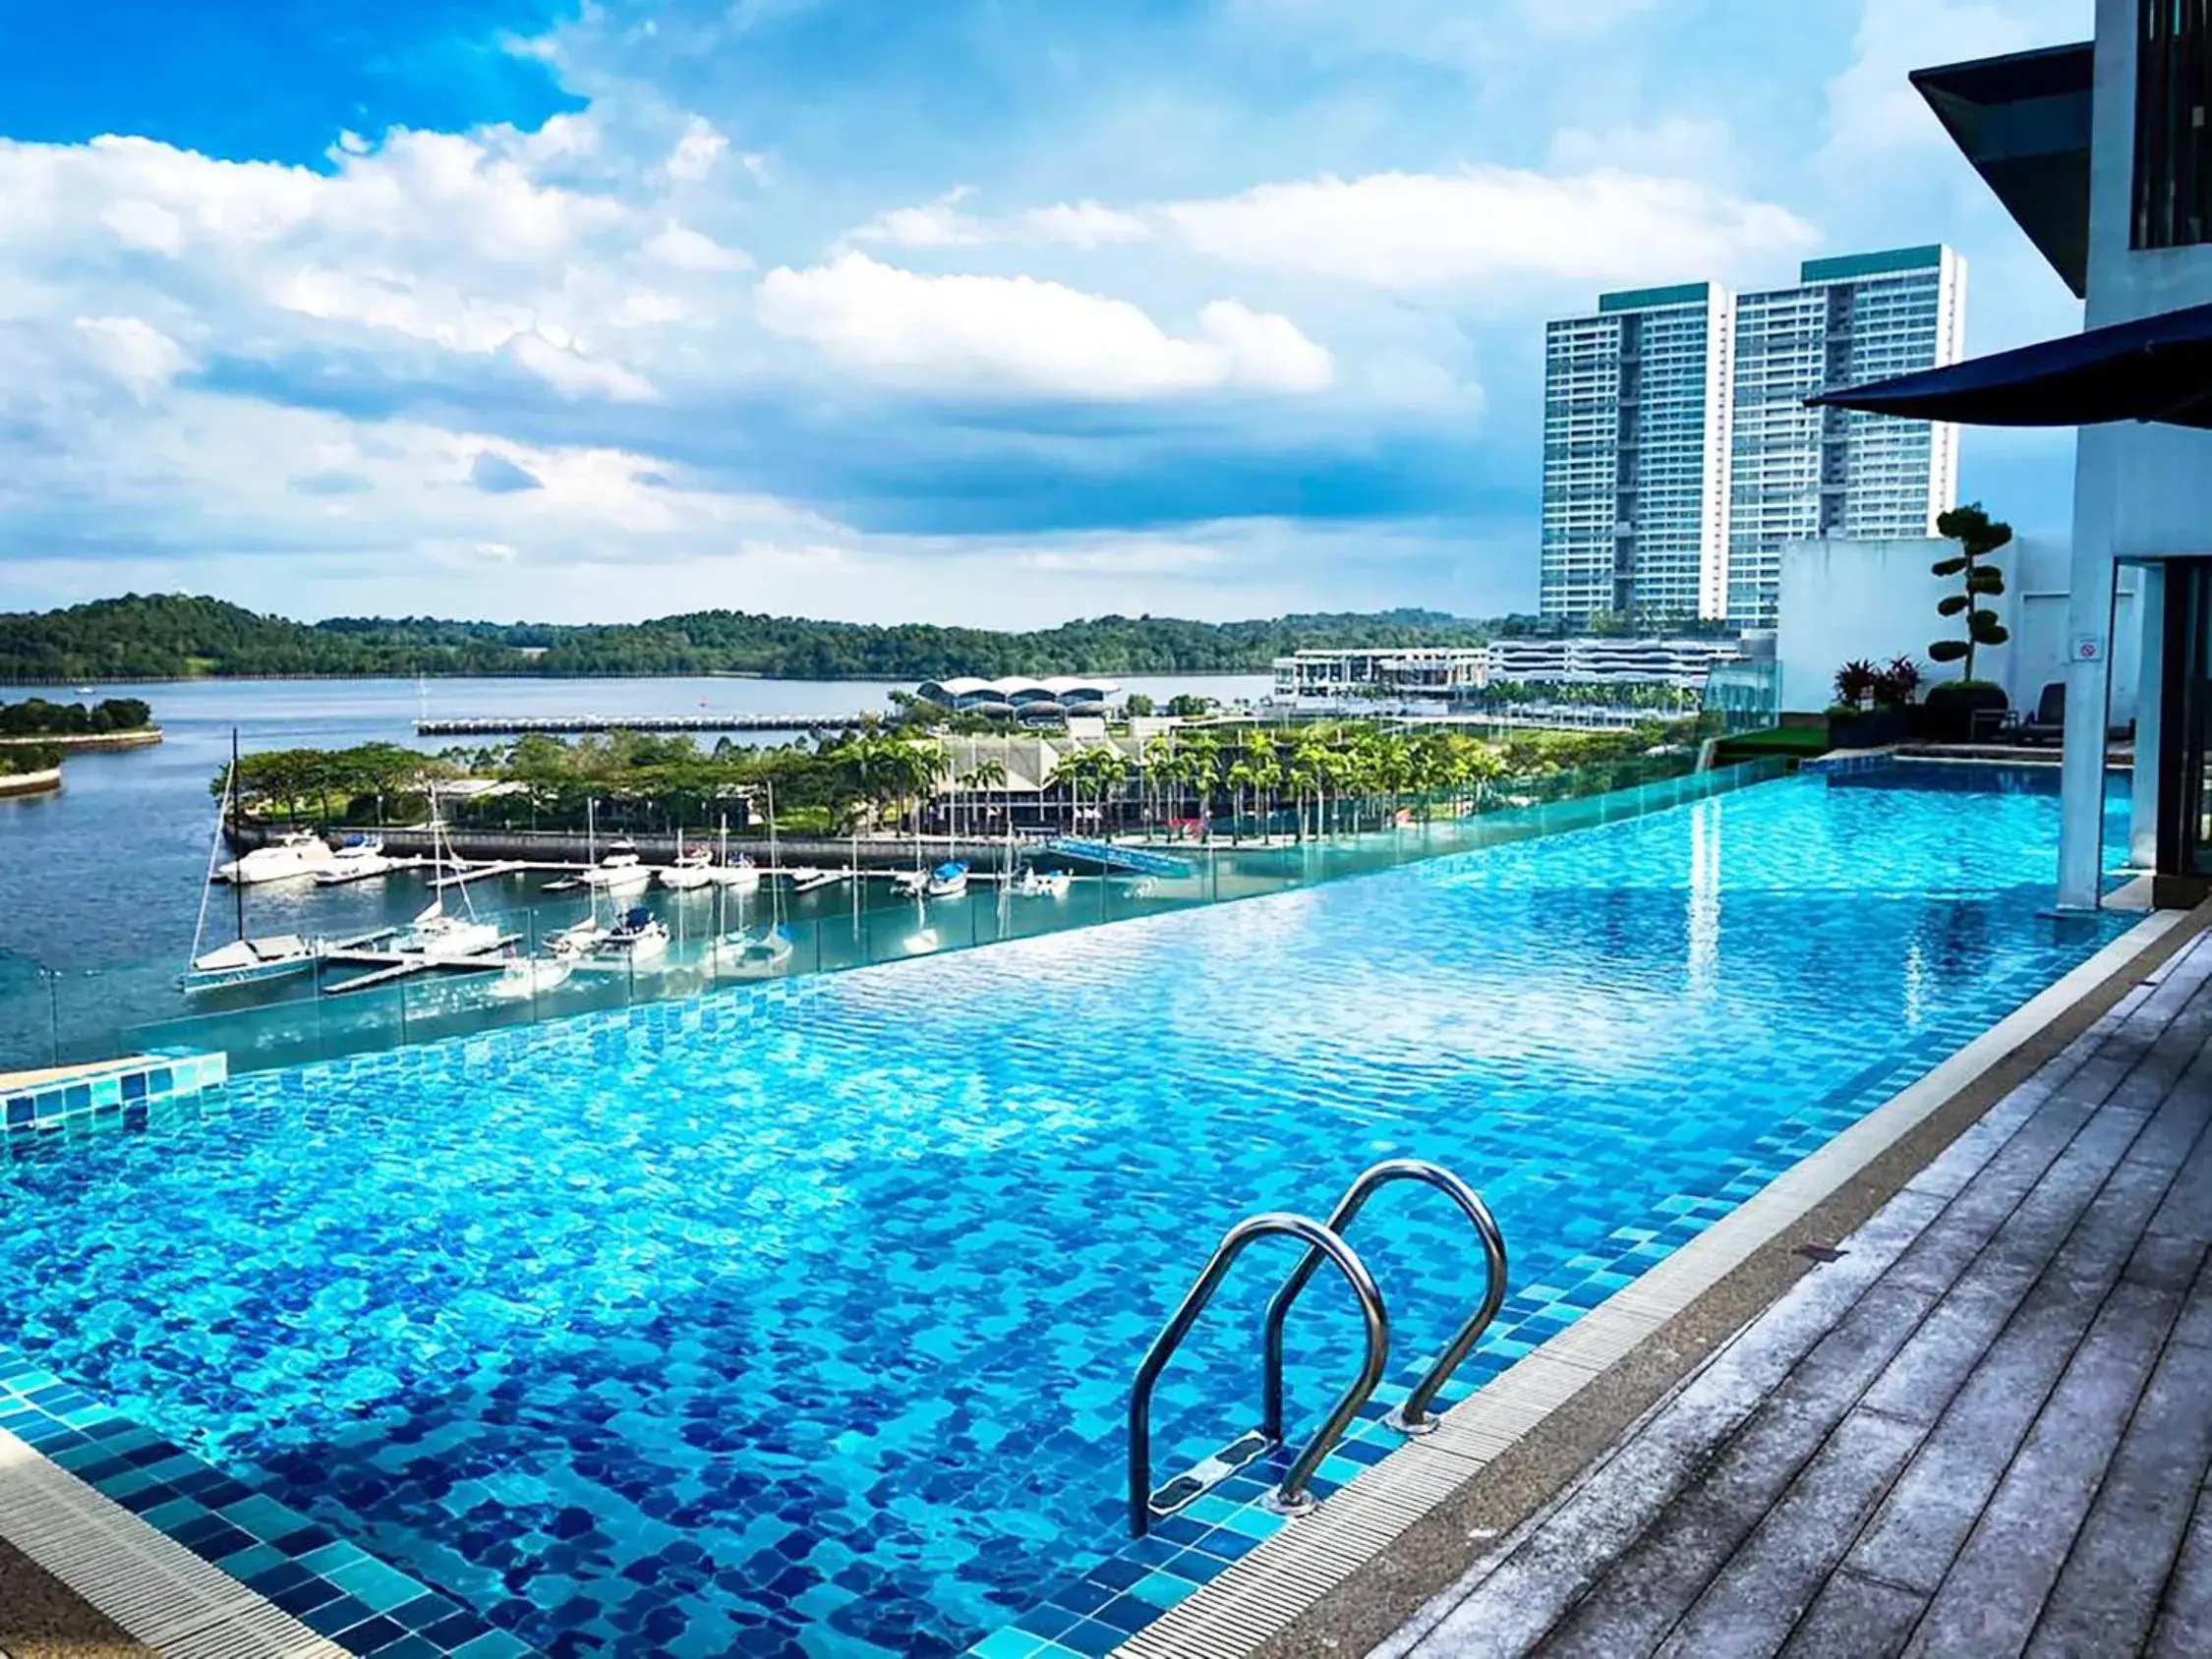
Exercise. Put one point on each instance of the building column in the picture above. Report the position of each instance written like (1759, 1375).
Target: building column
(2150, 675)
(2082, 778)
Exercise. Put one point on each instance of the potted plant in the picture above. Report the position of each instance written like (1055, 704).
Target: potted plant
(1950, 708)
(1871, 703)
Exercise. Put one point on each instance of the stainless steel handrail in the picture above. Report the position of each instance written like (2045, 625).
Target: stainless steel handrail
(1290, 1496)
(1413, 1417)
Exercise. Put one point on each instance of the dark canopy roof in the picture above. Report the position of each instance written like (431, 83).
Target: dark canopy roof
(2023, 122)
(2154, 368)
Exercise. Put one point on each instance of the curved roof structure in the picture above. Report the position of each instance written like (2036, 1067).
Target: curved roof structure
(1015, 691)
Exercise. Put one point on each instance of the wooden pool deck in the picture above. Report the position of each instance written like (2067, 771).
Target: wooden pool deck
(1984, 1428)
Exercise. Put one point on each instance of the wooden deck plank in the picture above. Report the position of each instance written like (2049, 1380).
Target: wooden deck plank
(2108, 1592)
(1998, 1442)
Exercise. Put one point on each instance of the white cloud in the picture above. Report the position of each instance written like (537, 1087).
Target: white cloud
(1017, 334)
(696, 152)
(1085, 224)
(685, 249)
(447, 239)
(135, 352)
(934, 224)
(1411, 231)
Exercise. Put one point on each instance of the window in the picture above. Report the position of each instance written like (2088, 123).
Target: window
(2173, 146)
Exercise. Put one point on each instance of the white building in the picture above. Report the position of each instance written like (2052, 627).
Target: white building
(1441, 672)
(1679, 456)
(1795, 473)
(1875, 601)
(1395, 671)
(2102, 153)
(1599, 661)
(1635, 448)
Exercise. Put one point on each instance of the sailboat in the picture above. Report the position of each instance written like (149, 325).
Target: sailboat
(739, 875)
(244, 960)
(756, 952)
(434, 934)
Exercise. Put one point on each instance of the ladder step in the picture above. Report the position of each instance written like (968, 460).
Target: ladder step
(1203, 1477)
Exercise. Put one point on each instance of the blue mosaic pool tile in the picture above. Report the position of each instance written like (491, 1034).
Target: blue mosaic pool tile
(75, 1103)
(334, 1587)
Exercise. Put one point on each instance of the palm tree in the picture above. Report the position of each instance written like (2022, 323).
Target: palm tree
(986, 774)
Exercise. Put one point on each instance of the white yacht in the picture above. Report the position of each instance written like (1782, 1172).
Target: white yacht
(693, 869)
(1034, 882)
(361, 859)
(620, 871)
(740, 875)
(948, 881)
(635, 941)
(808, 879)
(293, 856)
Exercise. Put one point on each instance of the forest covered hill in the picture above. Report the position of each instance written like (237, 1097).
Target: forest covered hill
(179, 637)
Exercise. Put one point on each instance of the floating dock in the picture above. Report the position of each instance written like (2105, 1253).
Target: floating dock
(566, 725)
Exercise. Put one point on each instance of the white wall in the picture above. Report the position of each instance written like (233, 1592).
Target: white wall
(1843, 599)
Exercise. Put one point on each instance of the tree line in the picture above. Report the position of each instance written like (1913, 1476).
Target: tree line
(180, 637)
(1332, 775)
(34, 716)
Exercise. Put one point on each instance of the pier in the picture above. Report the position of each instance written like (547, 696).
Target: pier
(568, 725)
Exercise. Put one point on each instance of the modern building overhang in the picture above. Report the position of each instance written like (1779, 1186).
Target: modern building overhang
(2152, 369)
(2024, 121)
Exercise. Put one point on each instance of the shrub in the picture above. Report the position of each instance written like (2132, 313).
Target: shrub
(1978, 536)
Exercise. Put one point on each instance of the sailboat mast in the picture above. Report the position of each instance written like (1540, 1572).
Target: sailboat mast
(237, 886)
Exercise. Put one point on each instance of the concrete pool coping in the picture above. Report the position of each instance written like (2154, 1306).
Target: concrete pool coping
(1344, 1579)
(139, 1583)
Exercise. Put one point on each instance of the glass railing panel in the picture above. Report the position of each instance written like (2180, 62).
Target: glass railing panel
(75, 1015)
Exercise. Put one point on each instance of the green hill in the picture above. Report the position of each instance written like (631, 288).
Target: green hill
(177, 637)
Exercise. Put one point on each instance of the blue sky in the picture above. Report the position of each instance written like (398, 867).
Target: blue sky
(999, 311)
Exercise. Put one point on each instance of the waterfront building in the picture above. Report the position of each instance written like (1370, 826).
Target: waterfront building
(1446, 671)
(1635, 455)
(1392, 671)
(1019, 697)
(1796, 473)
(1600, 660)
(1679, 456)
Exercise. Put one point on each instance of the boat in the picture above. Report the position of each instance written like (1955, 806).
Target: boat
(757, 953)
(361, 859)
(750, 953)
(250, 961)
(633, 941)
(1034, 882)
(808, 879)
(435, 937)
(909, 882)
(295, 855)
(693, 869)
(580, 938)
(620, 871)
(739, 875)
(527, 977)
(948, 881)
(243, 960)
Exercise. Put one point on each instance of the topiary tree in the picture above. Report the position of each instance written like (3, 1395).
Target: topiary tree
(1978, 536)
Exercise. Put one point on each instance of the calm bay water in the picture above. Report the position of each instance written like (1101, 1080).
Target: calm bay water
(111, 869)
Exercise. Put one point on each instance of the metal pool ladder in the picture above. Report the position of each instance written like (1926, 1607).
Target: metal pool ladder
(1325, 1241)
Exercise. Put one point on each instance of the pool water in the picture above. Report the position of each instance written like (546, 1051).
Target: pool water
(802, 1321)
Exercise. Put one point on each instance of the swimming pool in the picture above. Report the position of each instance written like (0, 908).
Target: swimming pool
(804, 1323)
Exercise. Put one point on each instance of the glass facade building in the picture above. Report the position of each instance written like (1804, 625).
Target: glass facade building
(1678, 452)
(1635, 440)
